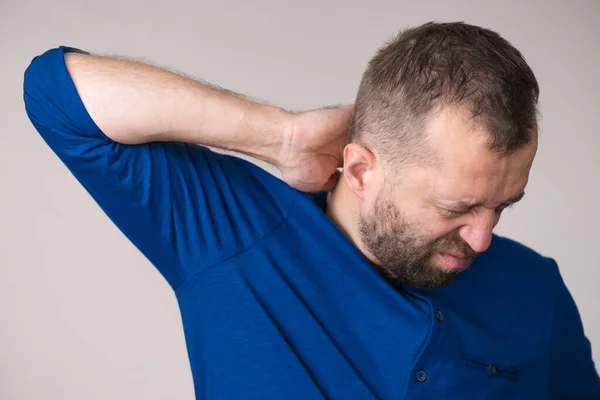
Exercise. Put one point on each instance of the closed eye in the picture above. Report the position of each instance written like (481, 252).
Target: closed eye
(457, 213)
(452, 213)
(461, 207)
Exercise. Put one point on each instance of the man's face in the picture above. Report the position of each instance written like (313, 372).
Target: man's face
(441, 214)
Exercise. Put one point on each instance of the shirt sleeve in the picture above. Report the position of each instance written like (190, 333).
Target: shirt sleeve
(185, 207)
(573, 374)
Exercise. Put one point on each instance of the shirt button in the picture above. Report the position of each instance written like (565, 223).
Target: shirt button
(439, 315)
(492, 369)
(421, 376)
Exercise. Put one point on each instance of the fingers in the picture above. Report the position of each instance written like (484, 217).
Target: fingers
(348, 109)
(345, 108)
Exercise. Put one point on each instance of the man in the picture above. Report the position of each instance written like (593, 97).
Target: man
(383, 281)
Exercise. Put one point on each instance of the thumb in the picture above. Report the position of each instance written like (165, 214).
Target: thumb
(333, 179)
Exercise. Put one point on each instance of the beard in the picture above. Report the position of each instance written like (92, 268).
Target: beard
(404, 251)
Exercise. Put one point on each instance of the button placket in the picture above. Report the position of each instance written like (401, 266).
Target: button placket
(421, 375)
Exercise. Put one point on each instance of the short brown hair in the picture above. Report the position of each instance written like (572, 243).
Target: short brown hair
(437, 65)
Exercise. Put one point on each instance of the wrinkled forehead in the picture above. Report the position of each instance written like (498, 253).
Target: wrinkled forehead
(455, 138)
(465, 166)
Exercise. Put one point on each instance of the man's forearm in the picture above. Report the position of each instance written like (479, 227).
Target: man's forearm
(134, 103)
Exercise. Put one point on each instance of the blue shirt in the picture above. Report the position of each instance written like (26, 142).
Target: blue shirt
(277, 303)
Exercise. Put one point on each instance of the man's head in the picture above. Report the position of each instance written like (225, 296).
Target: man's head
(443, 136)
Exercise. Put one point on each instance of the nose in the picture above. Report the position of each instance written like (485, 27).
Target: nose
(477, 232)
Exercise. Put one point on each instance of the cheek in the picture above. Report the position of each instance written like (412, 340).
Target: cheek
(437, 226)
(445, 228)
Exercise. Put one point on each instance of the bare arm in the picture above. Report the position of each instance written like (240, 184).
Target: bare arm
(132, 103)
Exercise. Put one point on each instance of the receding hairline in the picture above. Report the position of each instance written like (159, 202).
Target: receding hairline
(425, 155)
(444, 63)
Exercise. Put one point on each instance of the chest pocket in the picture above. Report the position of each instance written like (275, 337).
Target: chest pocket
(491, 368)
(498, 371)
(487, 374)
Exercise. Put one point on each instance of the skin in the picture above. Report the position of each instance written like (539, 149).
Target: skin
(404, 231)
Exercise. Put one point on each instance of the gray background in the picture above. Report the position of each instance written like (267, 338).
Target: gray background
(85, 316)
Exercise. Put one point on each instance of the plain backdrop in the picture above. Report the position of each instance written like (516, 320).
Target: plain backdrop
(83, 315)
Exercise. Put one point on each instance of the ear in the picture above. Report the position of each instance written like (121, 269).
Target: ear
(361, 169)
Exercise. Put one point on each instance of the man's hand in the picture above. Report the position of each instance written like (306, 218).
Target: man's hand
(312, 150)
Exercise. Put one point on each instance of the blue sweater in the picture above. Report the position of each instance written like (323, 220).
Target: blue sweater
(277, 303)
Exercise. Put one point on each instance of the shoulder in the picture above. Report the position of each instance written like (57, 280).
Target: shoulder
(517, 265)
(505, 249)
(513, 255)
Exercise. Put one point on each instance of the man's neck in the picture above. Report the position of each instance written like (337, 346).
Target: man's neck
(343, 209)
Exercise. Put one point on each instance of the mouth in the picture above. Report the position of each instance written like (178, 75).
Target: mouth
(456, 255)
(453, 260)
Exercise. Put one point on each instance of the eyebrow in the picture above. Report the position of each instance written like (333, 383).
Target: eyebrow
(465, 205)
